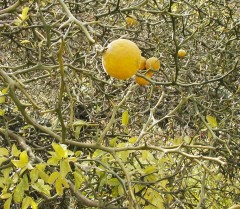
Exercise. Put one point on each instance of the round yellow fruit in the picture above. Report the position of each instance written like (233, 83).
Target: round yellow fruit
(142, 65)
(181, 53)
(142, 81)
(121, 59)
(153, 63)
(131, 20)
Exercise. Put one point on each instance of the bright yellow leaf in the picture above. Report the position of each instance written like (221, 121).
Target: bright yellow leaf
(125, 118)
(3, 152)
(212, 121)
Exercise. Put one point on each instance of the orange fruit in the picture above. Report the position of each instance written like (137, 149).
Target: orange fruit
(131, 20)
(153, 63)
(142, 65)
(121, 59)
(142, 81)
(181, 53)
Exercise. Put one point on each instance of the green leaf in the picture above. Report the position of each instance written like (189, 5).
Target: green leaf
(53, 177)
(125, 118)
(212, 121)
(7, 203)
(15, 152)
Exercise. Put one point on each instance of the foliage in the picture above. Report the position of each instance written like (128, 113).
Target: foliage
(71, 136)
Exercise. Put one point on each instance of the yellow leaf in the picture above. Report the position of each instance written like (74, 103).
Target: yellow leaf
(41, 187)
(53, 177)
(25, 13)
(15, 152)
(24, 157)
(174, 7)
(78, 180)
(7, 204)
(25, 41)
(43, 175)
(59, 187)
(113, 142)
(18, 163)
(64, 183)
(64, 168)
(33, 204)
(150, 169)
(60, 150)
(22, 17)
(5, 196)
(132, 140)
(53, 161)
(34, 175)
(144, 154)
(4, 91)
(125, 118)
(2, 112)
(3, 152)
(26, 202)
(18, 193)
(212, 121)
(2, 99)
(25, 184)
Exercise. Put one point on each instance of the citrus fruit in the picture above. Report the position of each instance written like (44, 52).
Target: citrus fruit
(131, 20)
(153, 63)
(142, 65)
(181, 53)
(142, 81)
(121, 59)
